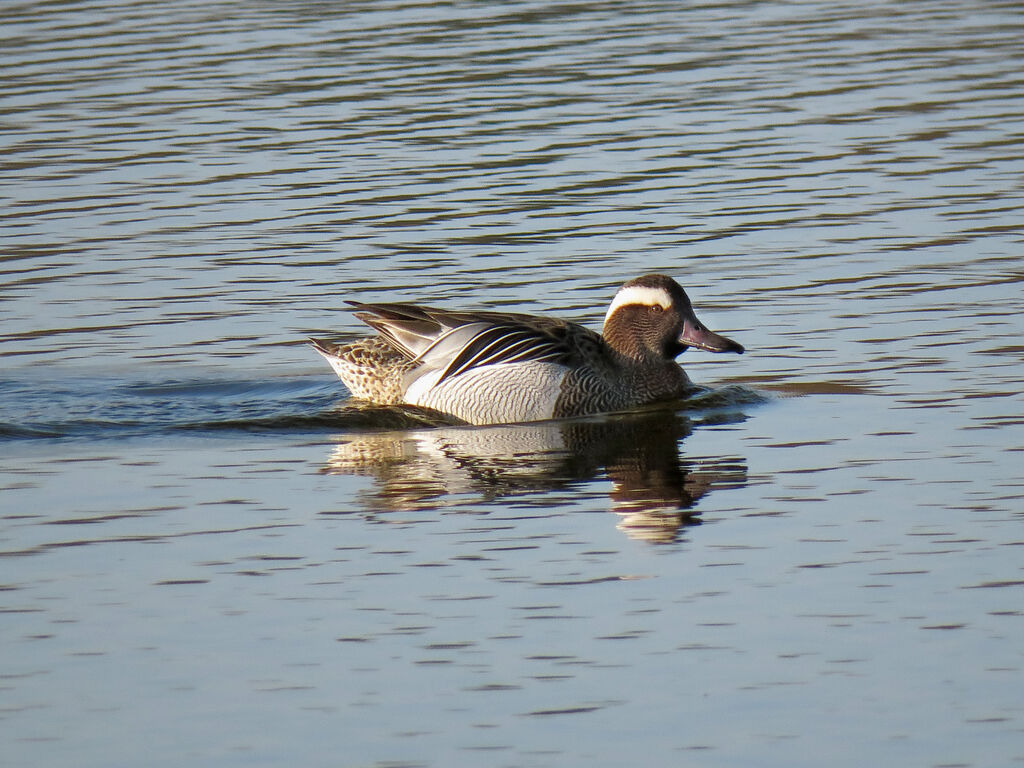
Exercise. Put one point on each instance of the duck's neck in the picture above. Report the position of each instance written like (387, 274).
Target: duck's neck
(649, 377)
(629, 350)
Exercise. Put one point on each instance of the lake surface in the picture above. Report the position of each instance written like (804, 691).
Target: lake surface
(209, 556)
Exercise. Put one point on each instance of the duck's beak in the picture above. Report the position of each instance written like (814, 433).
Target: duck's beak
(696, 335)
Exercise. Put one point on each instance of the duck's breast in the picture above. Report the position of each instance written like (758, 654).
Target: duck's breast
(492, 394)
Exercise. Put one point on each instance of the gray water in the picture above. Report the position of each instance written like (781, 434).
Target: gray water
(208, 555)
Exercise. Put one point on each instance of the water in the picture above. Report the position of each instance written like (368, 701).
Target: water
(208, 555)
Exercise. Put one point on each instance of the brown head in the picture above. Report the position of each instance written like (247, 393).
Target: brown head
(651, 319)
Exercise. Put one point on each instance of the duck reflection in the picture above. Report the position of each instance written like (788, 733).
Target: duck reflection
(653, 490)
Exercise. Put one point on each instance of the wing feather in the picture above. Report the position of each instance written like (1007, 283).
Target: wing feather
(455, 342)
(499, 344)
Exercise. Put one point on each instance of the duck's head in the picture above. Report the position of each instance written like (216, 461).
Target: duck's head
(651, 318)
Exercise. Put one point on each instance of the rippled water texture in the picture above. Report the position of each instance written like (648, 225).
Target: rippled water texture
(208, 555)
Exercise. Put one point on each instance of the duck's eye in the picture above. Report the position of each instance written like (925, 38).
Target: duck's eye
(657, 308)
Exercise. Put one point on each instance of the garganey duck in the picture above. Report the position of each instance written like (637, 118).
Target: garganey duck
(498, 367)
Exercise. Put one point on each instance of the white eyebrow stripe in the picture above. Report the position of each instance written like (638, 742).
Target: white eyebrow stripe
(639, 294)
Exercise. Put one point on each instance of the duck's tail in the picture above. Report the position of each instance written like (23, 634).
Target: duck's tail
(371, 368)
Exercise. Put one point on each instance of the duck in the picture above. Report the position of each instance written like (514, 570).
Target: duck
(484, 367)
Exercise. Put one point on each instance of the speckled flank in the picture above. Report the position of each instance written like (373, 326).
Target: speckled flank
(493, 394)
(370, 368)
